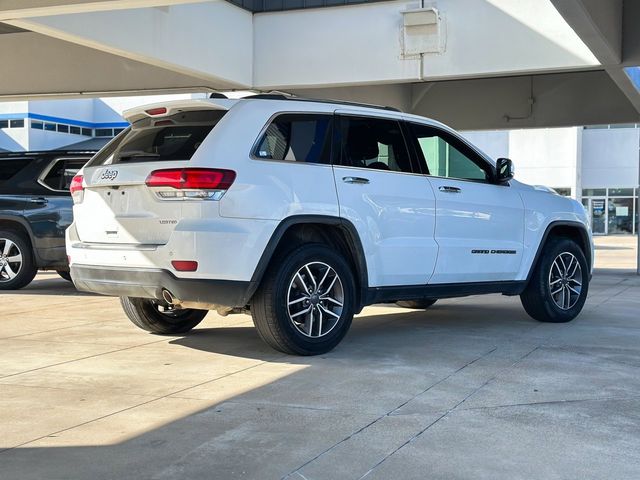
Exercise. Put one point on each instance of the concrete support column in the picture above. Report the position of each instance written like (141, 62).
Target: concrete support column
(577, 185)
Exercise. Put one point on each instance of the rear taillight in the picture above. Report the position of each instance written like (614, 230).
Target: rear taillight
(191, 183)
(76, 189)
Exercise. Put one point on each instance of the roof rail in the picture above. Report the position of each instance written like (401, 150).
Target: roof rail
(287, 96)
(352, 104)
(269, 96)
(56, 153)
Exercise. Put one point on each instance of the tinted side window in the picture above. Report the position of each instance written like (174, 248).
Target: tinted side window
(296, 138)
(62, 172)
(10, 167)
(375, 143)
(446, 156)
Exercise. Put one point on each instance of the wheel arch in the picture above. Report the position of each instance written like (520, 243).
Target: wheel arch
(336, 232)
(573, 230)
(20, 225)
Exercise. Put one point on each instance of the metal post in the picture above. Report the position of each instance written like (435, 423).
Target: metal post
(636, 207)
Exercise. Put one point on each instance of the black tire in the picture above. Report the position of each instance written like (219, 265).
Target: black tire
(15, 245)
(270, 307)
(537, 298)
(64, 274)
(417, 304)
(144, 313)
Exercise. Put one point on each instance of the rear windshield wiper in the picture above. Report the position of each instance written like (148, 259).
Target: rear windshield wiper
(124, 156)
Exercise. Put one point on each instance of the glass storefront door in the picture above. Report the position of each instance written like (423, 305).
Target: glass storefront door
(598, 213)
(612, 211)
(620, 215)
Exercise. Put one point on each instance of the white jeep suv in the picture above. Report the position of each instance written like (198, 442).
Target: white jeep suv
(303, 212)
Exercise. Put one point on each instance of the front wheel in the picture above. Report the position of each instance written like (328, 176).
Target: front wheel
(157, 317)
(306, 301)
(559, 283)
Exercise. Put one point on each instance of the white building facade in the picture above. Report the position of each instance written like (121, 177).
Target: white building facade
(597, 165)
(56, 124)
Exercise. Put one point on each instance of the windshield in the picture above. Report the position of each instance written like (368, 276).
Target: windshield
(176, 137)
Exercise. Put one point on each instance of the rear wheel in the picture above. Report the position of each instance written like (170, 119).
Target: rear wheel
(158, 317)
(417, 304)
(306, 301)
(559, 283)
(17, 266)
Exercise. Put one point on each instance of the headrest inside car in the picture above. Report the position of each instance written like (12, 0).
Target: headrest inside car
(361, 143)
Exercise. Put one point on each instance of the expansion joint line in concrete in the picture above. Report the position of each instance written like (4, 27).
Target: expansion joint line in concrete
(296, 472)
(3, 450)
(417, 435)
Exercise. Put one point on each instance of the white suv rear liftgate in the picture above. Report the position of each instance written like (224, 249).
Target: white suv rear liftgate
(147, 222)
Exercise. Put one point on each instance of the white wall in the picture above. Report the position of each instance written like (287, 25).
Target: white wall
(363, 43)
(493, 143)
(504, 36)
(43, 140)
(212, 41)
(14, 139)
(545, 156)
(610, 157)
(332, 46)
(14, 107)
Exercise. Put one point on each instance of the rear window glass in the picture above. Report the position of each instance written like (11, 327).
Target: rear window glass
(176, 137)
(296, 138)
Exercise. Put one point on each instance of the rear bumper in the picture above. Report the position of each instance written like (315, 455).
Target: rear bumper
(150, 283)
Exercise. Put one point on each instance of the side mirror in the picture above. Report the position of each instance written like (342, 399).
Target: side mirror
(504, 170)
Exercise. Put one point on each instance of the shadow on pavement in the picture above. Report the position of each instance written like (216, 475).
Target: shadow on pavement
(380, 397)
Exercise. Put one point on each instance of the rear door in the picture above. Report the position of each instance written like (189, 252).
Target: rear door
(382, 193)
(12, 200)
(479, 224)
(48, 209)
(118, 207)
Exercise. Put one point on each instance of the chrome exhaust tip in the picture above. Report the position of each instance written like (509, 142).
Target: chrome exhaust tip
(168, 297)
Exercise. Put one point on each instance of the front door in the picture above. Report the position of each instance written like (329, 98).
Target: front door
(383, 194)
(479, 224)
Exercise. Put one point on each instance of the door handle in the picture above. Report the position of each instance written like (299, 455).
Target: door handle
(358, 180)
(447, 189)
(39, 200)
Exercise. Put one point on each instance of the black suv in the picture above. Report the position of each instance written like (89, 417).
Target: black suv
(35, 210)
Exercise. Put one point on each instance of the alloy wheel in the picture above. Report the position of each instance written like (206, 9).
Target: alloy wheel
(10, 260)
(565, 281)
(315, 299)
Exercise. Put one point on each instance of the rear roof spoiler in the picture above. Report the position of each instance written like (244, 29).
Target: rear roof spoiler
(164, 109)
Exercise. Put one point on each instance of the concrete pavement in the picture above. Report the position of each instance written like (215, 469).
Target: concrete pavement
(471, 388)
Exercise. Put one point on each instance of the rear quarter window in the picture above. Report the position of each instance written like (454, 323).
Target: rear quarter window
(176, 137)
(62, 172)
(296, 138)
